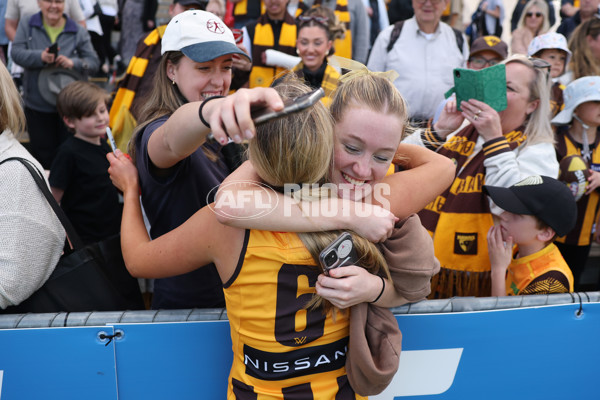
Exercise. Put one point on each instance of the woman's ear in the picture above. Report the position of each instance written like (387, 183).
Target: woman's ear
(532, 106)
(171, 70)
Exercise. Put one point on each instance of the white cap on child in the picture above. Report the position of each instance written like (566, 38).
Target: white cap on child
(579, 91)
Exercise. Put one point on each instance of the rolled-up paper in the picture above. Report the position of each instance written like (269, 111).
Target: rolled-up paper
(278, 59)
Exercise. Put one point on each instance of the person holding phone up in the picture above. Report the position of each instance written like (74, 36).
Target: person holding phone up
(178, 168)
(33, 50)
(268, 277)
(495, 148)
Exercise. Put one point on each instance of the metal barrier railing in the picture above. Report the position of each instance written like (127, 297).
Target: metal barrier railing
(455, 304)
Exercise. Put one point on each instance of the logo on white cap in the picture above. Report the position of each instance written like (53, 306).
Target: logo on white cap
(215, 26)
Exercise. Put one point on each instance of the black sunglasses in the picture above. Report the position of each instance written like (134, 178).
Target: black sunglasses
(531, 14)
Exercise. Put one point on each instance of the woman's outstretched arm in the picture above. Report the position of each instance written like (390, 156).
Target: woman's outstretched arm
(243, 203)
(184, 132)
(426, 176)
(195, 243)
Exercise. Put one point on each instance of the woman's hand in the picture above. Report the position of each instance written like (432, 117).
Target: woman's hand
(483, 117)
(64, 62)
(242, 63)
(348, 286)
(593, 182)
(377, 227)
(123, 173)
(450, 119)
(48, 57)
(230, 117)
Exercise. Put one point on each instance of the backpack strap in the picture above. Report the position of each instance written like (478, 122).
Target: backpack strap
(395, 35)
(460, 40)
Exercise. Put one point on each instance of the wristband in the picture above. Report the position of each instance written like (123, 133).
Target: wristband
(382, 289)
(206, 124)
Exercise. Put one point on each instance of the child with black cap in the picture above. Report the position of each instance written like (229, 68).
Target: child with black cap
(536, 210)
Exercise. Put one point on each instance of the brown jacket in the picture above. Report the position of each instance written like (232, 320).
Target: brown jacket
(375, 338)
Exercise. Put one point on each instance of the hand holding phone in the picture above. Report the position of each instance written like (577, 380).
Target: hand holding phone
(53, 49)
(290, 106)
(487, 85)
(339, 253)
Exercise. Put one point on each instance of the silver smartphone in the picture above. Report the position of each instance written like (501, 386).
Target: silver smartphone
(339, 253)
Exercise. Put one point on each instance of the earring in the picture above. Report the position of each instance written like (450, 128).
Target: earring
(297, 52)
(173, 83)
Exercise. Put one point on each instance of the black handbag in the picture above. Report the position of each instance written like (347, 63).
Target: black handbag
(87, 278)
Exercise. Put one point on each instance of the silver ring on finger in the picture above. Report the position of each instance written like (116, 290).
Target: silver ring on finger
(475, 117)
(478, 112)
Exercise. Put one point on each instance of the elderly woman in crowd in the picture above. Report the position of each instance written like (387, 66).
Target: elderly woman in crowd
(74, 57)
(495, 148)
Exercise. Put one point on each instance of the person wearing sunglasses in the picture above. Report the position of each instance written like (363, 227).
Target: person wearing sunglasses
(533, 22)
(494, 148)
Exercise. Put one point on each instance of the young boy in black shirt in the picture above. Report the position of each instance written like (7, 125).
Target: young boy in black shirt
(78, 177)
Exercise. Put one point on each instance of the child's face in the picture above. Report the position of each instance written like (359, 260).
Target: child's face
(589, 113)
(93, 127)
(557, 59)
(522, 228)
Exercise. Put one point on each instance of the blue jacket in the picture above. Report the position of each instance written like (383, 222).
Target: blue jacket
(31, 40)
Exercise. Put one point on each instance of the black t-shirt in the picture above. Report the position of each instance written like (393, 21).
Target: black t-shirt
(90, 200)
(168, 202)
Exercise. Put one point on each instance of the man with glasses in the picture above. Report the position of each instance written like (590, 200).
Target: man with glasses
(424, 54)
(487, 51)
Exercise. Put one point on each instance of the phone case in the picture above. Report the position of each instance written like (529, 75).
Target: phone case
(345, 253)
(487, 85)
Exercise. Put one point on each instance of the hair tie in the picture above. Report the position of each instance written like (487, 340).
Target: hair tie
(382, 289)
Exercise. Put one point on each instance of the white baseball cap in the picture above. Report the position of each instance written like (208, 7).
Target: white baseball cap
(200, 35)
(579, 91)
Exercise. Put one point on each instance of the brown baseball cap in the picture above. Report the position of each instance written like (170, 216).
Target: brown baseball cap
(490, 43)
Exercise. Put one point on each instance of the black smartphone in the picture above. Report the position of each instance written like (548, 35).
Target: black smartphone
(339, 253)
(53, 49)
(290, 106)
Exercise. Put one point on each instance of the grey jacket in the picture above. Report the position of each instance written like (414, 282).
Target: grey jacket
(31, 40)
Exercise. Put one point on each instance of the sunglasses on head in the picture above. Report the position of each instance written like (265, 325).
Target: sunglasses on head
(316, 18)
(541, 64)
(531, 14)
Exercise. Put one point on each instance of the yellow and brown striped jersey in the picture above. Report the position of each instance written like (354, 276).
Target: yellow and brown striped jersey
(281, 349)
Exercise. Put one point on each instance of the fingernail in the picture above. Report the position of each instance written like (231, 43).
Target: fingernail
(237, 139)
(222, 141)
(118, 152)
(248, 133)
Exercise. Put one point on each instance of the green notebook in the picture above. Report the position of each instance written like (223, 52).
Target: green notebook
(487, 85)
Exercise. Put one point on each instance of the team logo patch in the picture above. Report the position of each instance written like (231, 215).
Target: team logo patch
(215, 26)
(465, 243)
